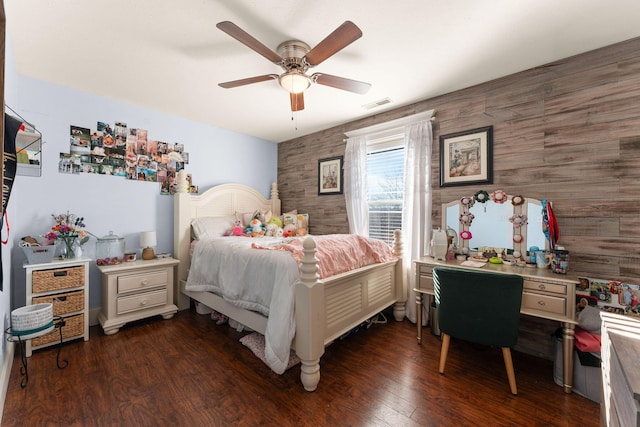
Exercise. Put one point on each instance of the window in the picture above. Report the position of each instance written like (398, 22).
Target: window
(385, 187)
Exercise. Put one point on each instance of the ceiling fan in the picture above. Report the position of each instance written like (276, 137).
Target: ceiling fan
(295, 58)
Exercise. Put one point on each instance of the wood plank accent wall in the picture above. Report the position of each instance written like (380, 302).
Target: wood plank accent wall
(568, 132)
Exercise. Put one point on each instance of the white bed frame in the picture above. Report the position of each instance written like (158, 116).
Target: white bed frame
(324, 310)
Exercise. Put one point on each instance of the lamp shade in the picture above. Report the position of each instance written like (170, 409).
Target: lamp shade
(147, 239)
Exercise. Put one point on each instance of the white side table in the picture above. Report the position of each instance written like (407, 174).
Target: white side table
(136, 290)
(65, 284)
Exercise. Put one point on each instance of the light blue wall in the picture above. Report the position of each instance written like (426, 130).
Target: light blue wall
(110, 203)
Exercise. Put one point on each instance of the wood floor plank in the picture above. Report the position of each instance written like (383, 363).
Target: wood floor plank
(188, 371)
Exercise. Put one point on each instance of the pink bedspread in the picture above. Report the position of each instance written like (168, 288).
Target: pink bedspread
(338, 253)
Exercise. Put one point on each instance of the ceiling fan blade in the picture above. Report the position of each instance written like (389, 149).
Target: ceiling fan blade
(297, 101)
(340, 38)
(248, 40)
(248, 81)
(341, 83)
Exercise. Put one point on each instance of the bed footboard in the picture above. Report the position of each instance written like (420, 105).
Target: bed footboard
(327, 309)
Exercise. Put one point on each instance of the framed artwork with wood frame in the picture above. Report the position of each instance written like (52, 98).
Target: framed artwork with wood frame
(467, 157)
(330, 175)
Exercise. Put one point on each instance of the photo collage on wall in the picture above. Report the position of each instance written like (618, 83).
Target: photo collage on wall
(126, 152)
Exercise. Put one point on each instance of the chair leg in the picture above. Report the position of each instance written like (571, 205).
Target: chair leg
(508, 363)
(444, 350)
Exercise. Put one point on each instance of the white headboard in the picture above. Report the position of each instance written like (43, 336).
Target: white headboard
(222, 200)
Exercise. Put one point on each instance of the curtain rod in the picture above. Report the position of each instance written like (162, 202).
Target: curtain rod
(393, 124)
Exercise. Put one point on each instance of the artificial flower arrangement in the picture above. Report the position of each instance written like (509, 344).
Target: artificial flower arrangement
(70, 229)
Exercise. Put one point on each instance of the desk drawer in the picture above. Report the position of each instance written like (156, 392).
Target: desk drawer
(426, 282)
(545, 303)
(426, 270)
(553, 288)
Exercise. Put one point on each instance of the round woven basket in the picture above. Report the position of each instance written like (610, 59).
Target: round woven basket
(31, 318)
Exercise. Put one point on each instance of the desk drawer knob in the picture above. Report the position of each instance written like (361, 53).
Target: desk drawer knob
(542, 287)
(143, 302)
(541, 303)
(145, 282)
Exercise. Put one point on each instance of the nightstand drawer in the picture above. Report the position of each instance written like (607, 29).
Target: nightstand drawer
(136, 282)
(141, 301)
(545, 303)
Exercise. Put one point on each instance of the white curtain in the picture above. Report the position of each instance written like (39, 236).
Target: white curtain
(355, 185)
(416, 210)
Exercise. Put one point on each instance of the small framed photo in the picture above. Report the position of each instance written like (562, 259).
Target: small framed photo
(330, 175)
(467, 157)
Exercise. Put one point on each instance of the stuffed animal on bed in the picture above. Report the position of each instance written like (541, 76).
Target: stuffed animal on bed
(275, 220)
(289, 230)
(273, 230)
(237, 230)
(255, 228)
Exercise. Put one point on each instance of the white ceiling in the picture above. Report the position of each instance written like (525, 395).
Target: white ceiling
(168, 55)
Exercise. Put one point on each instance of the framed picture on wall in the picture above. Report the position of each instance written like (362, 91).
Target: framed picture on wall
(330, 176)
(467, 157)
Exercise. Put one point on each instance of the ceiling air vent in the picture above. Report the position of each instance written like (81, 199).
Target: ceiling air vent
(376, 104)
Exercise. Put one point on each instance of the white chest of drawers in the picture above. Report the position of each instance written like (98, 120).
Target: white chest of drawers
(136, 290)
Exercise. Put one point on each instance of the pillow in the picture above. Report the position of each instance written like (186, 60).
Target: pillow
(211, 226)
(288, 219)
(297, 220)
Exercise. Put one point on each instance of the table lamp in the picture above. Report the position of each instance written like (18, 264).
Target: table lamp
(147, 241)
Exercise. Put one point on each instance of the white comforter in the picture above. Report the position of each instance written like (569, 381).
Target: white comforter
(273, 275)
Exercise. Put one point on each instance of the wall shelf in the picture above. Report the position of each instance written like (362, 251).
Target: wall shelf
(29, 153)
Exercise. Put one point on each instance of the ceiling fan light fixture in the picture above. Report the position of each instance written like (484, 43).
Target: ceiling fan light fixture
(294, 81)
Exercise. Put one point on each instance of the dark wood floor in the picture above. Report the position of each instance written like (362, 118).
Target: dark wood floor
(189, 372)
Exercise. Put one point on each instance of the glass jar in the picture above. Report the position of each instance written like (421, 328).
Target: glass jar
(109, 249)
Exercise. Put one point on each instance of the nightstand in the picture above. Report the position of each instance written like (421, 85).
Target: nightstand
(65, 284)
(136, 290)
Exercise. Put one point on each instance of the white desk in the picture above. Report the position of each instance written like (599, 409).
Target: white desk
(546, 294)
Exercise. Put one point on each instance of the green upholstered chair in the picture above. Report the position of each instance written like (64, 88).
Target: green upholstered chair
(479, 307)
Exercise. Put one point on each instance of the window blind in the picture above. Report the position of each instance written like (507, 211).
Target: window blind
(385, 183)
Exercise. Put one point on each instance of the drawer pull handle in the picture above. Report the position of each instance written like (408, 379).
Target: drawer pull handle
(542, 287)
(59, 299)
(60, 273)
(143, 302)
(541, 303)
(144, 282)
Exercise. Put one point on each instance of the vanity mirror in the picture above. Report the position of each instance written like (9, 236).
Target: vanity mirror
(496, 220)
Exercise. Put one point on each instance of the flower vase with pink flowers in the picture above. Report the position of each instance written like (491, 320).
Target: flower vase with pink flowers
(70, 229)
